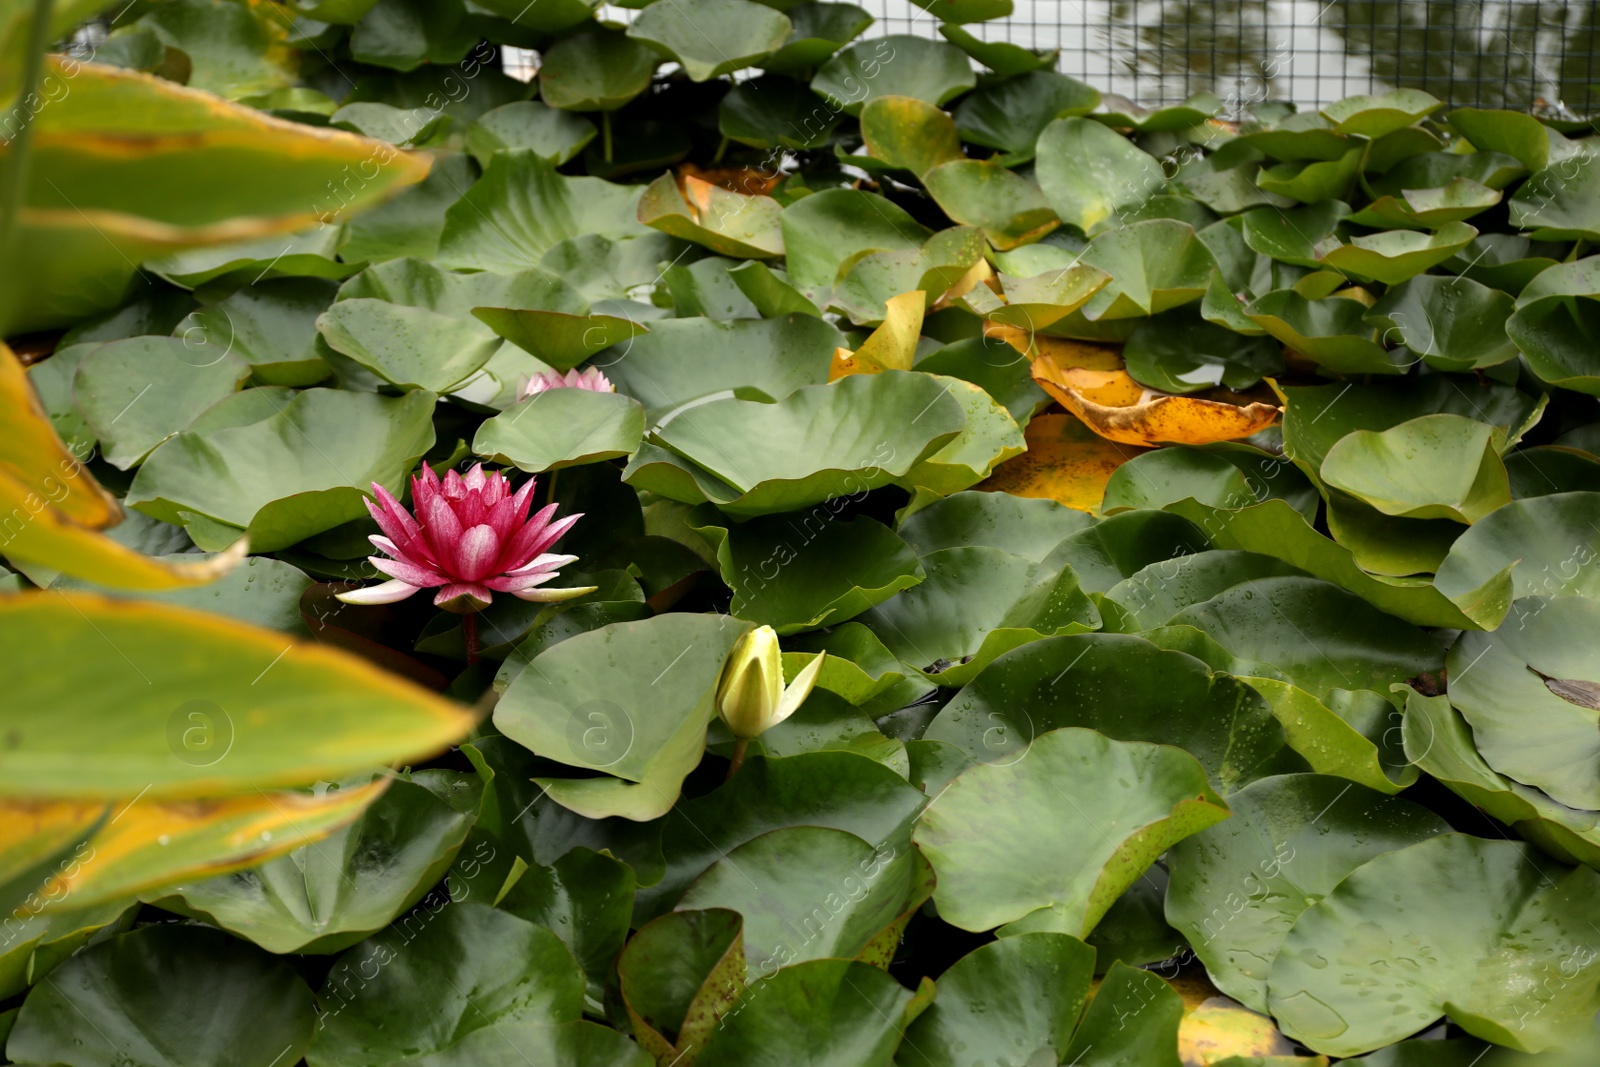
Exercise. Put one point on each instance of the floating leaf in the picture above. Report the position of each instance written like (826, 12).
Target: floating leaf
(840, 1011)
(1011, 114)
(1066, 462)
(1556, 321)
(1454, 324)
(909, 133)
(556, 136)
(1468, 915)
(1127, 803)
(1090, 173)
(1331, 332)
(569, 708)
(595, 69)
(325, 897)
(562, 428)
(679, 976)
(1396, 255)
(728, 223)
(1433, 467)
(896, 65)
(1237, 888)
(721, 36)
(1163, 697)
(138, 988)
(1374, 116)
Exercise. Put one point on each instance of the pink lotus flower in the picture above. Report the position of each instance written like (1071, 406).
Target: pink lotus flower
(471, 538)
(592, 380)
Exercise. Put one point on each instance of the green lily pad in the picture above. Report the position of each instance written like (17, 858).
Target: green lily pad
(1292, 235)
(410, 224)
(909, 134)
(1557, 203)
(841, 1012)
(1119, 547)
(896, 65)
(1393, 256)
(1556, 322)
(1275, 528)
(679, 976)
(325, 897)
(1374, 116)
(841, 790)
(555, 136)
(1009, 209)
(569, 707)
(776, 112)
(728, 223)
(595, 69)
(1236, 889)
(870, 281)
(684, 360)
(825, 231)
(1313, 181)
(820, 442)
(408, 346)
(521, 208)
(271, 325)
(307, 254)
(1454, 324)
(36, 942)
(1005, 1001)
(720, 36)
(1125, 804)
(1319, 636)
(1348, 733)
(1177, 352)
(463, 982)
(1438, 739)
(818, 31)
(587, 899)
(776, 880)
(1123, 113)
(974, 605)
(801, 572)
(562, 428)
(1025, 527)
(1011, 114)
(558, 338)
(1003, 57)
(1156, 593)
(1526, 691)
(1514, 133)
(1162, 696)
(548, 16)
(135, 394)
(1434, 928)
(994, 366)
(990, 438)
(1433, 467)
(1155, 265)
(1090, 173)
(136, 990)
(1332, 332)
(1546, 544)
(405, 34)
(276, 478)
(1428, 209)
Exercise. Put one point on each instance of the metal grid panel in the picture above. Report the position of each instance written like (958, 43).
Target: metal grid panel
(1490, 53)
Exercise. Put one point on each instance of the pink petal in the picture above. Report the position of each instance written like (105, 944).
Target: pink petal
(387, 593)
(535, 537)
(498, 489)
(410, 573)
(524, 495)
(482, 595)
(454, 488)
(547, 562)
(476, 552)
(471, 509)
(504, 518)
(476, 479)
(442, 529)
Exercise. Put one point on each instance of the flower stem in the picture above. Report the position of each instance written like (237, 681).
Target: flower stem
(550, 488)
(469, 630)
(740, 747)
(605, 133)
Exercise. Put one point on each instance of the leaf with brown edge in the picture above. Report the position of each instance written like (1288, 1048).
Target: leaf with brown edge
(35, 457)
(1065, 462)
(679, 975)
(726, 222)
(1147, 419)
(150, 843)
(1572, 690)
(892, 346)
(1219, 1028)
(881, 949)
(1095, 372)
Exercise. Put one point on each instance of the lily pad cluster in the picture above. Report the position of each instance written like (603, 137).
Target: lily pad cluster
(1176, 533)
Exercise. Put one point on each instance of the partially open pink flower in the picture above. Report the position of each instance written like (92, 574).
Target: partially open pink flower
(591, 379)
(471, 538)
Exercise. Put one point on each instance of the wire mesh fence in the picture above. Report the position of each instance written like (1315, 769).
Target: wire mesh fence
(1522, 54)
